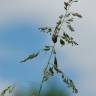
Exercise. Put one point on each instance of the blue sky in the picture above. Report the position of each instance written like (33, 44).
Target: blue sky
(19, 39)
(19, 36)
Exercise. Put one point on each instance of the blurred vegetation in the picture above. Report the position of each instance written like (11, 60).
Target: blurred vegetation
(49, 92)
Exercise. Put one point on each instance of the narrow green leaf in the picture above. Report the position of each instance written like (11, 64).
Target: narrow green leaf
(66, 5)
(9, 90)
(70, 27)
(54, 37)
(61, 16)
(46, 48)
(55, 62)
(59, 22)
(31, 56)
(46, 29)
(70, 20)
(51, 71)
(75, 0)
(62, 42)
(65, 35)
(77, 14)
(70, 1)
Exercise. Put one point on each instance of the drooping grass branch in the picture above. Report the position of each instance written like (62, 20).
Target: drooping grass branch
(58, 34)
(8, 90)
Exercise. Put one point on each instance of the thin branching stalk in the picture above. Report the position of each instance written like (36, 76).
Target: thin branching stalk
(52, 68)
(46, 69)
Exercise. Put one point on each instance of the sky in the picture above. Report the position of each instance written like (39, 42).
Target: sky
(19, 36)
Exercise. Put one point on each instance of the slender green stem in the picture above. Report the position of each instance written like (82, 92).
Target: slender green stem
(50, 57)
(46, 68)
(41, 87)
